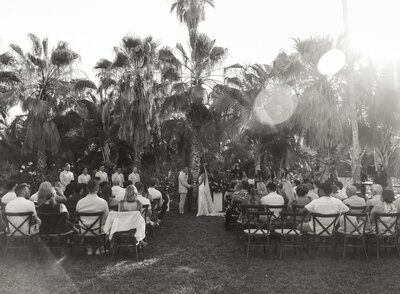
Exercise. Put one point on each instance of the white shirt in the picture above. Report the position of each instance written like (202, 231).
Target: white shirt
(66, 177)
(273, 198)
(92, 203)
(143, 200)
(312, 195)
(374, 200)
(325, 205)
(134, 178)
(84, 179)
(154, 193)
(20, 204)
(102, 175)
(118, 192)
(8, 197)
(118, 177)
(34, 197)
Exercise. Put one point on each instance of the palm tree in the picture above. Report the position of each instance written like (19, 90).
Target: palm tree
(49, 85)
(191, 77)
(131, 79)
(191, 12)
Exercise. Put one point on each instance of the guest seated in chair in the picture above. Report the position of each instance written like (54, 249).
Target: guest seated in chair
(301, 197)
(80, 191)
(353, 199)
(48, 204)
(155, 195)
(130, 202)
(22, 204)
(386, 206)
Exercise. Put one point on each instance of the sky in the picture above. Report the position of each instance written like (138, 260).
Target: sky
(254, 31)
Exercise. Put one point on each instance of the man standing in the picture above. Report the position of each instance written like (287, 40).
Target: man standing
(134, 177)
(66, 176)
(118, 176)
(22, 204)
(381, 177)
(183, 188)
(102, 175)
(84, 178)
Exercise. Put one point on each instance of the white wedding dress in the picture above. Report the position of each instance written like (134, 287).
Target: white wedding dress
(205, 206)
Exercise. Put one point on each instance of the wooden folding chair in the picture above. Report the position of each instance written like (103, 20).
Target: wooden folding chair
(52, 232)
(326, 232)
(90, 234)
(244, 209)
(125, 239)
(257, 230)
(16, 238)
(386, 230)
(290, 232)
(354, 225)
(276, 218)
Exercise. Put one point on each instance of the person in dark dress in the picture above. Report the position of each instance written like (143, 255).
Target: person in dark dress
(381, 177)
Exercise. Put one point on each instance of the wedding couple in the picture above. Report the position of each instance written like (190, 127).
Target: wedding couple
(205, 206)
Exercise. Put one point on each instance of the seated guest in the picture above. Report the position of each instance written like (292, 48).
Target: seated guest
(386, 206)
(117, 191)
(376, 191)
(60, 197)
(273, 198)
(261, 188)
(243, 191)
(353, 199)
(130, 202)
(118, 176)
(92, 203)
(84, 178)
(253, 198)
(358, 192)
(10, 195)
(287, 190)
(69, 189)
(311, 193)
(80, 191)
(106, 193)
(325, 204)
(19, 205)
(127, 183)
(143, 200)
(48, 204)
(301, 196)
(155, 195)
(341, 191)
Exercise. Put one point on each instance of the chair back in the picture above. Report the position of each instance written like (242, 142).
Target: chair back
(145, 211)
(297, 207)
(385, 224)
(326, 224)
(52, 222)
(354, 223)
(16, 228)
(291, 223)
(258, 223)
(276, 210)
(357, 208)
(244, 208)
(90, 223)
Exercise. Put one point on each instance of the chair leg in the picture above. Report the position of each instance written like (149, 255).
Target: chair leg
(29, 248)
(344, 246)
(248, 248)
(281, 249)
(364, 240)
(397, 245)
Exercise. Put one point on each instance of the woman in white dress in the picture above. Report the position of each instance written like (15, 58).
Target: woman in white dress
(205, 206)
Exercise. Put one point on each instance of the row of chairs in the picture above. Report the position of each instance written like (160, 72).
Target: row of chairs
(259, 225)
(85, 235)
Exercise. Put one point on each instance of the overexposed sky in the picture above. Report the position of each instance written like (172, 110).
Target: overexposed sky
(252, 30)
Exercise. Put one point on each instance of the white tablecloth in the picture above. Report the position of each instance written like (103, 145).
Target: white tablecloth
(125, 221)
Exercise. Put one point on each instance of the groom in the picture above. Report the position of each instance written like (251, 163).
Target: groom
(183, 189)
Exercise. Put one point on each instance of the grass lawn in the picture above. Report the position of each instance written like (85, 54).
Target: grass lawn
(196, 255)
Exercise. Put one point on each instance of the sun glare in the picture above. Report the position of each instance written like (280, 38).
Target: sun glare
(331, 62)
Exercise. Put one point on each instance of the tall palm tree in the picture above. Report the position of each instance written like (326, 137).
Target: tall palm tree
(50, 84)
(191, 12)
(191, 77)
(131, 78)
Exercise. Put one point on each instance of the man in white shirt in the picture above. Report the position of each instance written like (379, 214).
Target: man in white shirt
(19, 205)
(118, 176)
(311, 192)
(154, 194)
(117, 191)
(376, 191)
(66, 176)
(353, 199)
(134, 177)
(92, 203)
(102, 175)
(273, 198)
(84, 178)
(324, 205)
(10, 195)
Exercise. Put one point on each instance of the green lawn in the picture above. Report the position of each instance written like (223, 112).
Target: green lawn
(196, 255)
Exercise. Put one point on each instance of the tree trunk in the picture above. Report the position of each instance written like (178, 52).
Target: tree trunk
(195, 157)
(41, 162)
(257, 155)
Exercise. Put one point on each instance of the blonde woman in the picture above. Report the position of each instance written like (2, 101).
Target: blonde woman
(130, 202)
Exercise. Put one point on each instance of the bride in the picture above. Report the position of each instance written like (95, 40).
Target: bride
(205, 204)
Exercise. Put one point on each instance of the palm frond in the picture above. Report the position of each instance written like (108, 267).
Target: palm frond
(102, 64)
(120, 60)
(6, 59)
(45, 46)
(83, 84)
(63, 55)
(36, 60)
(17, 49)
(9, 77)
(180, 48)
(166, 55)
(36, 45)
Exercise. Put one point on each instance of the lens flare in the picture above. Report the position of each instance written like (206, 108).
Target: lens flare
(331, 62)
(275, 105)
